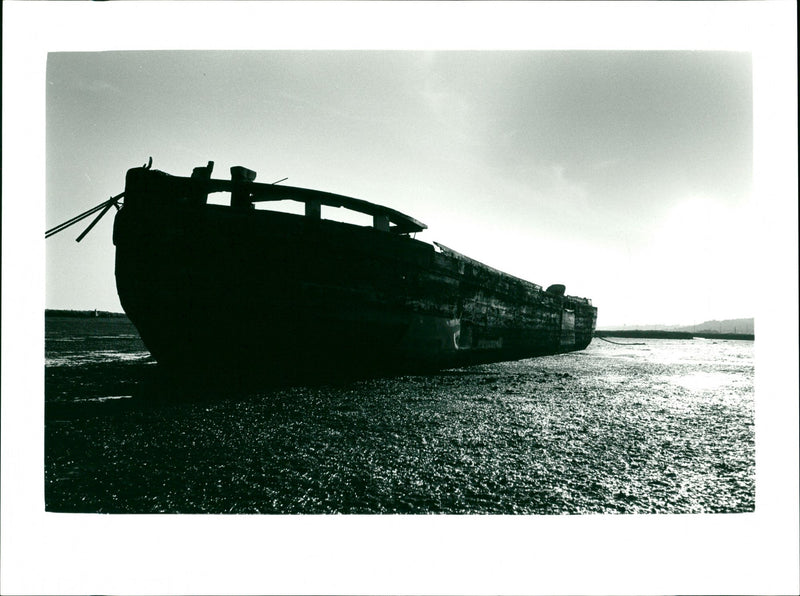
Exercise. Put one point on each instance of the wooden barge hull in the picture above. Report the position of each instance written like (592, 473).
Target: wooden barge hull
(213, 287)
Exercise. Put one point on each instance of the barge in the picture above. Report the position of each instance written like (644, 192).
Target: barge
(211, 286)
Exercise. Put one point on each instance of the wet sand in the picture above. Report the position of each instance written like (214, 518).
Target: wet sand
(664, 427)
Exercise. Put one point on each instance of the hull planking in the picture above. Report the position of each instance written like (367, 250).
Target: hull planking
(213, 287)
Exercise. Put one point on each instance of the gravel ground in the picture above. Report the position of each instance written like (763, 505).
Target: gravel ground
(661, 427)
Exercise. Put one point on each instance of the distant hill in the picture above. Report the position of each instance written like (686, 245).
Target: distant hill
(727, 329)
(726, 326)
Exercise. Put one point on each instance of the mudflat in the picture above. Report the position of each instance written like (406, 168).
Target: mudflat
(663, 426)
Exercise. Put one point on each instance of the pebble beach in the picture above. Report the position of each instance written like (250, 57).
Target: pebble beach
(648, 426)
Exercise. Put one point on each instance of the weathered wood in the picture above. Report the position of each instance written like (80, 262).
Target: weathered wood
(313, 210)
(258, 192)
(199, 188)
(241, 197)
(380, 222)
(224, 287)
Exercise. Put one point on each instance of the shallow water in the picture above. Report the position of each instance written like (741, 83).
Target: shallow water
(78, 341)
(664, 427)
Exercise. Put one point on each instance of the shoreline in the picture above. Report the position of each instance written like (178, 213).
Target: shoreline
(660, 334)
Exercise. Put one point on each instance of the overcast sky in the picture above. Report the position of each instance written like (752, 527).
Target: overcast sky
(626, 176)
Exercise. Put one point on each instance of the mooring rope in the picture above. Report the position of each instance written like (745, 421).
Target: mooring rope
(102, 207)
(618, 343)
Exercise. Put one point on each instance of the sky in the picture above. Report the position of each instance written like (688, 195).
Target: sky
(625, 175)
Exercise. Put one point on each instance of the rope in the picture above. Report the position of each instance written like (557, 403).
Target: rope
(104, 206)
(74, 220)
(617, 343)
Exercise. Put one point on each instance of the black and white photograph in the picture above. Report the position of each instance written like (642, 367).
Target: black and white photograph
(382, 294)
(467, 388)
